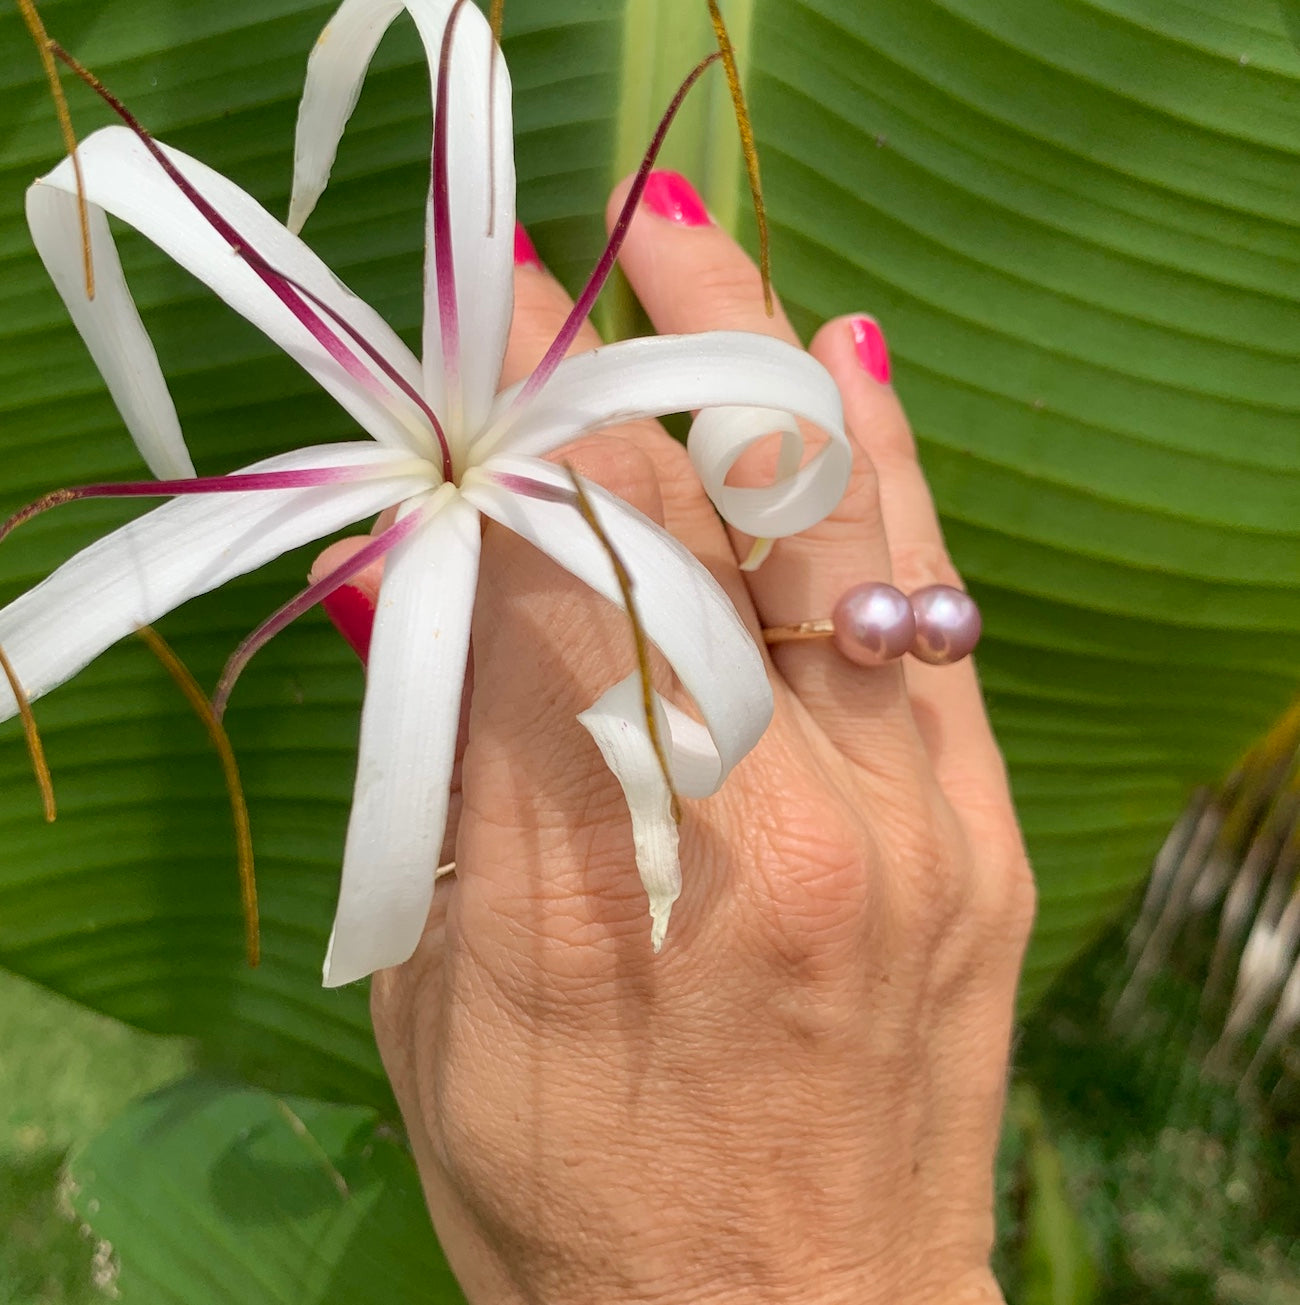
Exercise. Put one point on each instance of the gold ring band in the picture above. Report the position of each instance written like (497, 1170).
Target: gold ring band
(797, 633)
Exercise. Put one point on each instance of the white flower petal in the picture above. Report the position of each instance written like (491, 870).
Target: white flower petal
(186, 547)
(682, 608)
(797, 497)
(110, 325)
(336, 69)
(481, 208)
(616, 721)
(678, 373)
(408, 742)
(124, 179)
(481, 211)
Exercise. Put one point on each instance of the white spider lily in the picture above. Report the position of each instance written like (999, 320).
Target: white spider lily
(446, 448)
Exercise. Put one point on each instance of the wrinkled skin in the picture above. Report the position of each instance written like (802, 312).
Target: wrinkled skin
(798, 1101)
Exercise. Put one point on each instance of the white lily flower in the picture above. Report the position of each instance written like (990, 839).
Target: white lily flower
(445, 449)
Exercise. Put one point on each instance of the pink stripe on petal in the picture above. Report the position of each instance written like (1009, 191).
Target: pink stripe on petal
(238, 483)
(444, 266)
(536, 489)
(380, 361)
(296, 298)
(305, 601)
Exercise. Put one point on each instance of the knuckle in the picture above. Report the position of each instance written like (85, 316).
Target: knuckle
(817, 929)
(923, 562)
(618, 465)
(860, 501)
(864, 483)
(932, 874)
(1009, 898)
(935, 891)
(730, 290)
(814, 883)
(886, 434)
(678, 479)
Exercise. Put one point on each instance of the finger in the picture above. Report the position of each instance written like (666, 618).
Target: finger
(946, 700)
(691, 276)
(541, 306)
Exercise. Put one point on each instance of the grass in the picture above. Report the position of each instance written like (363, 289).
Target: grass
(64, 1073)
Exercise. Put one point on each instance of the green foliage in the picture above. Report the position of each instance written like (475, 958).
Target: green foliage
(1056, 1263)
(1075, 219)
(204, 1194)
(64, 1073)
(1184, 1189)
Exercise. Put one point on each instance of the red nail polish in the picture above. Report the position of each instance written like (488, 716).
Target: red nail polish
(673, 197)
(873, 353)
(526, 254)
(353, 614)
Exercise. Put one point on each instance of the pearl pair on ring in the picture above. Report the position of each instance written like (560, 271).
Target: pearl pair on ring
(874, 623)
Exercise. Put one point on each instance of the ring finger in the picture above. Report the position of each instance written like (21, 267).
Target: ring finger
(691, 276)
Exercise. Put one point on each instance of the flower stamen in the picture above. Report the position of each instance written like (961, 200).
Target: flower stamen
(587, 299)
(640, 642)
(746, 127)
(535, 489)
(238, 483)
(34, 747)
(304, 602)
(203, 709)
(46, 48)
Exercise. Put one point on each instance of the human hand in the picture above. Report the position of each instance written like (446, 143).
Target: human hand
(799, 1099)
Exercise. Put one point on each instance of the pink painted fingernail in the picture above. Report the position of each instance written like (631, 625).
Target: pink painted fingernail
(673, 197)
(526, 254)
(873, 352)
(353, 614)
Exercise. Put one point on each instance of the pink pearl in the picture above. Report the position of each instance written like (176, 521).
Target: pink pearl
(948, 625)
(873, 624)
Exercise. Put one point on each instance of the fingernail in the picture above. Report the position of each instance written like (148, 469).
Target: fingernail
(673, 197)
(353, 615)
(526, 254)
(873, 352)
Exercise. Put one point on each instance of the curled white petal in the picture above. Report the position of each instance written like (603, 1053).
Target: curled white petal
(110, 325)
(683, 610)
(408, 741)
(122, 178)
(797, 498)
(186, 547)
(616, 721)
(657, 375)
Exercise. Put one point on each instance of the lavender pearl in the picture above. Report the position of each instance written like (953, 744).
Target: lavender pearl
(948, 625)
(873, 624)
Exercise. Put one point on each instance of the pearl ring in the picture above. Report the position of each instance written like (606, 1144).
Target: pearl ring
(874, 623)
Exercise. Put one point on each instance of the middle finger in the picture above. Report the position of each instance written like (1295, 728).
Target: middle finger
(691, 276)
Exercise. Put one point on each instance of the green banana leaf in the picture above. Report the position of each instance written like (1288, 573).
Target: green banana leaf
(203, 1194)
(1077, 222)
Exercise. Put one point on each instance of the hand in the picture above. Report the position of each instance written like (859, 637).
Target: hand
(799, 1099)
